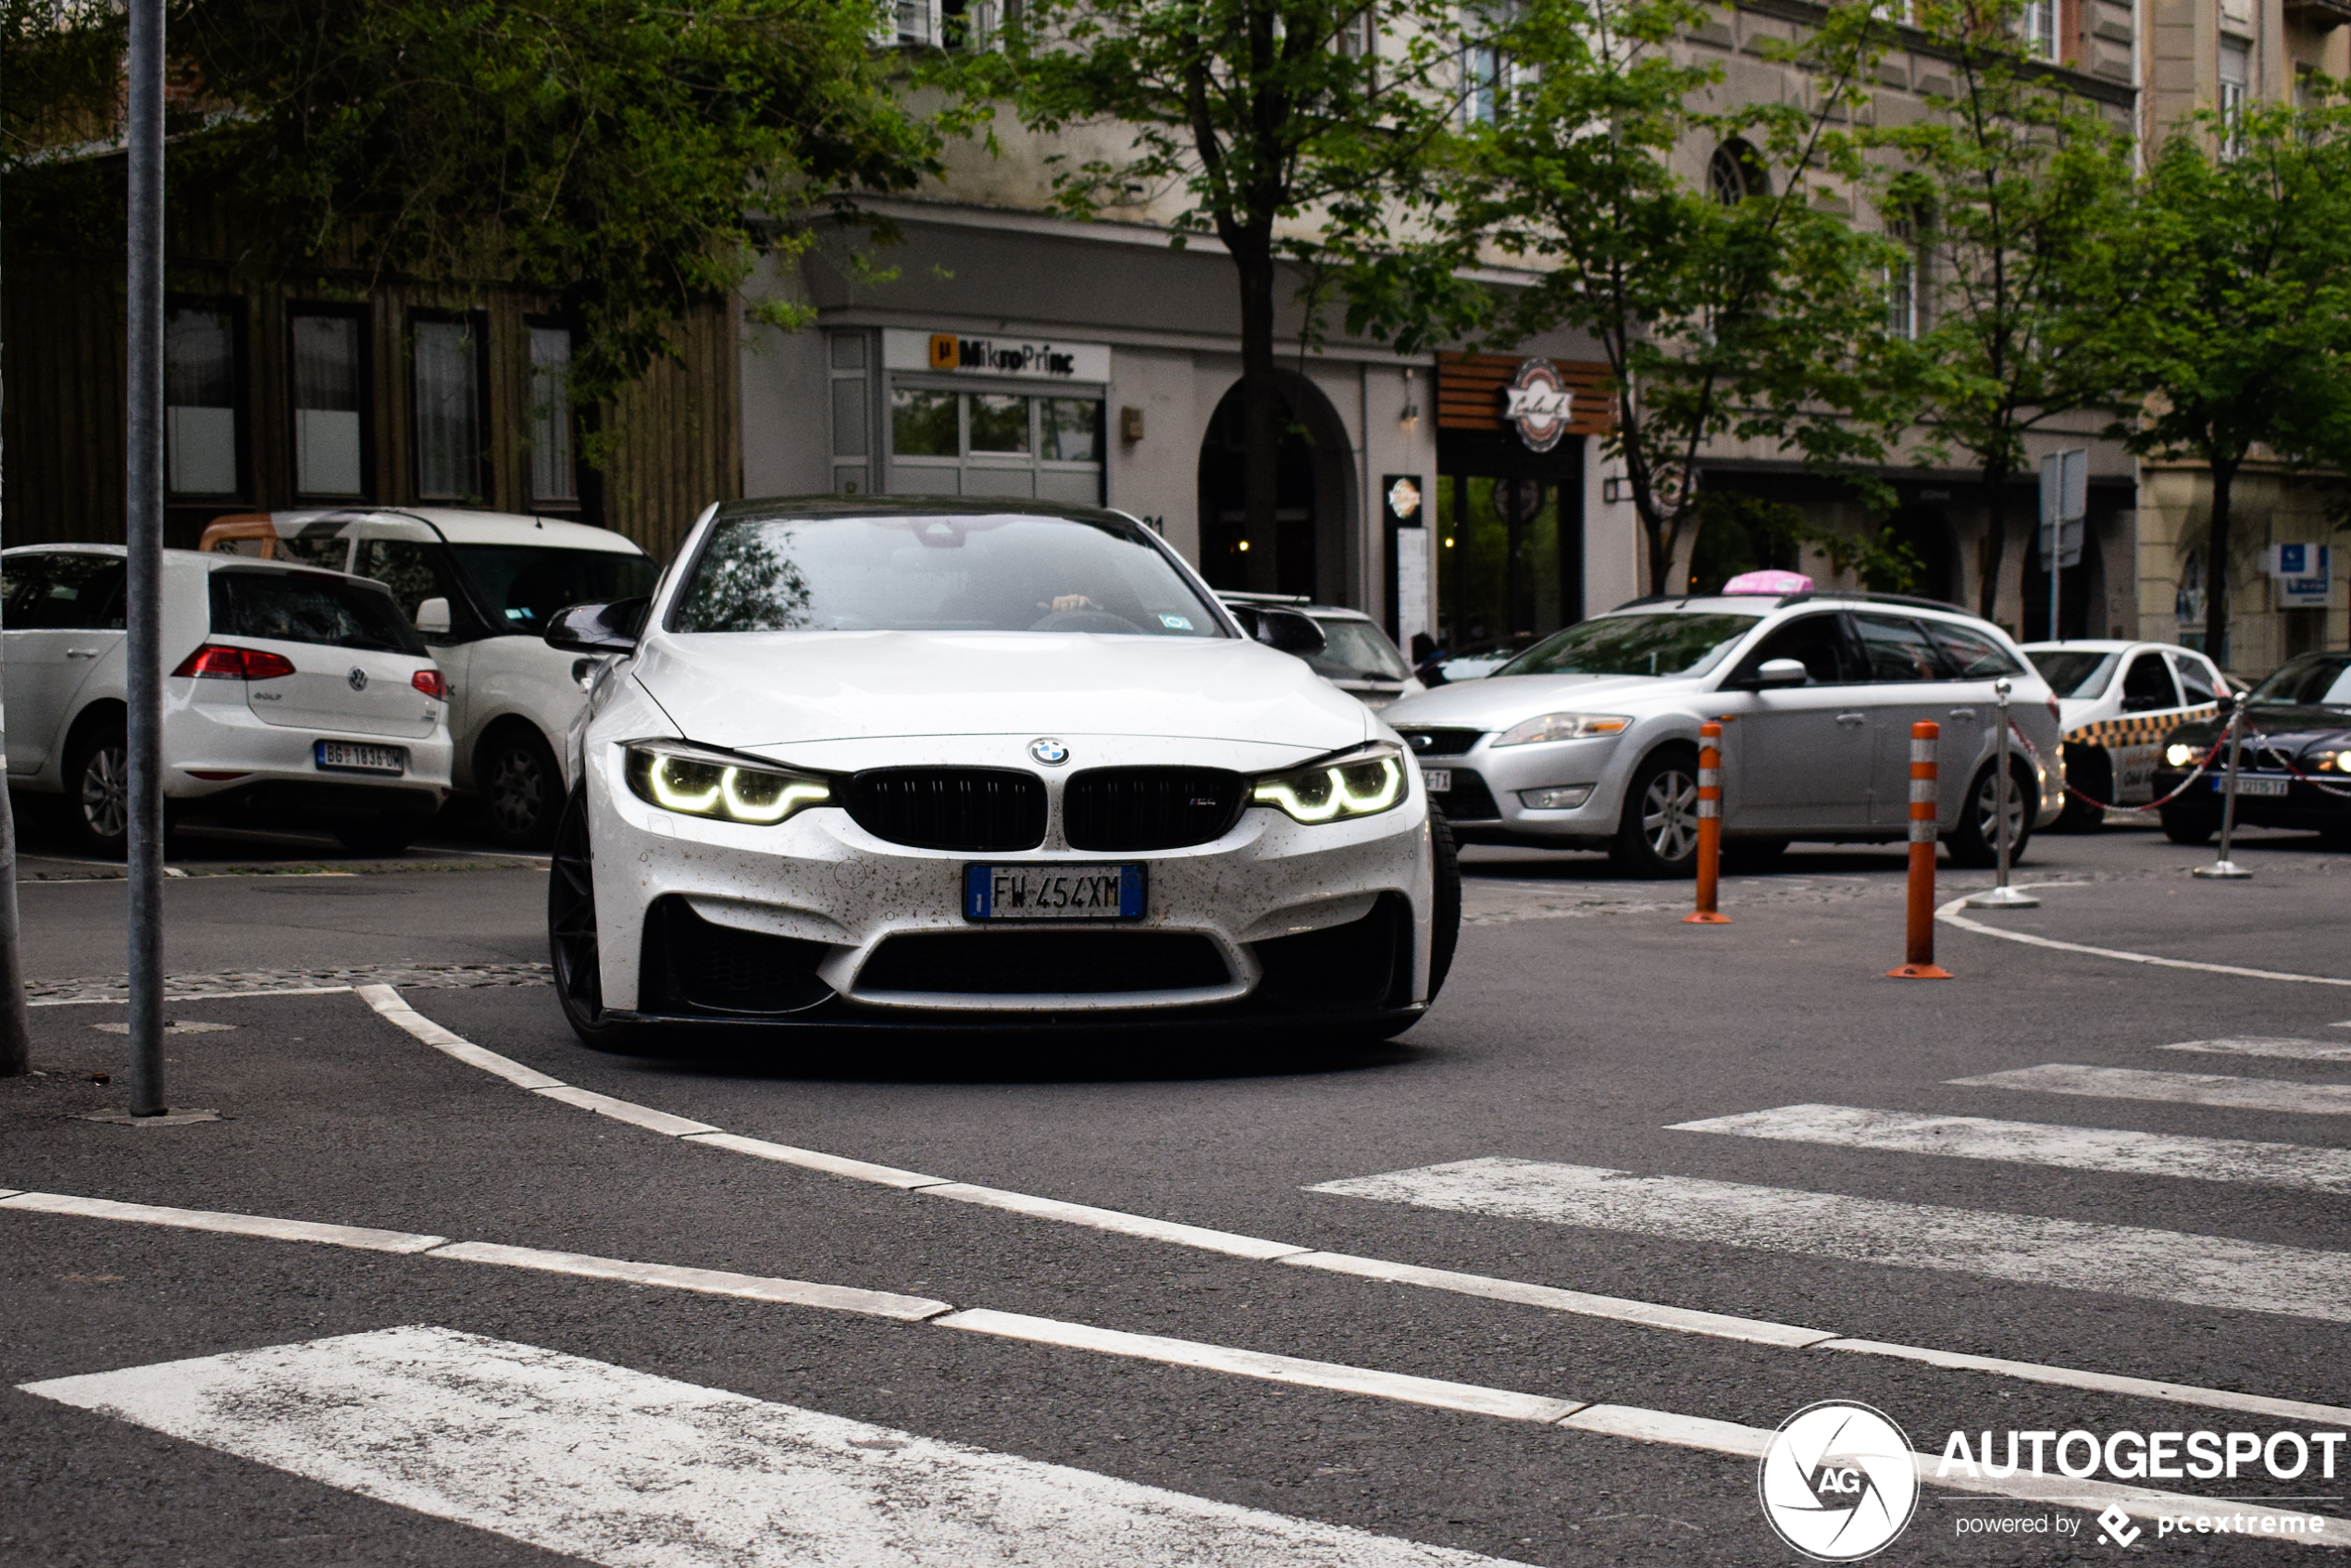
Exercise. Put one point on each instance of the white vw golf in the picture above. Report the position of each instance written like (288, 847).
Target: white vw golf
(919, 763)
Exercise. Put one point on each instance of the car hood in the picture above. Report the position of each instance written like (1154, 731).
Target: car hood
(753, 690)
(1506, 698)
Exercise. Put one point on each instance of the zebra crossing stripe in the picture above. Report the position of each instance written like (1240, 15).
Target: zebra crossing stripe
(2157, 1265)
(630, 1470)
(2182, 1089)
(2039, 1143)
(2257, 1045)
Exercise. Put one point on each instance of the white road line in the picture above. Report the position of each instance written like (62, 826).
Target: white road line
(2182, 1089)
(1471, 1398)
(234, 1224)
(388, 1003)
(709, 1282)
(2040, 1143)
(810, 1158)
(2100, 1382)
(1125, 1224)
(626, 1110)
(2159, 1265)
(2260, 1045)
(1681, 1319)
(1949, 914)
(633, 1471)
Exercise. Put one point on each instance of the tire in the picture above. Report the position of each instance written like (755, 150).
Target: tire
(389, 833)
(572, 934)
(1445, 903)
(1751, 856)
(1972, 842)
(97, 795)
(522, 785)
(2188, 828)
(1658, 836)
(2094, 776)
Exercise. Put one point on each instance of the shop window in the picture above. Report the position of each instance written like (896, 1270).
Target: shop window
(922, 424)
(1070, 429)
(998, 423)
(328, 387)
(200, 401)
(948, 442)
(447, 370)
(852, 416)
(554, 478)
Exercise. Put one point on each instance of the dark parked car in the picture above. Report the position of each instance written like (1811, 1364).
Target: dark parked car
(2296, 767)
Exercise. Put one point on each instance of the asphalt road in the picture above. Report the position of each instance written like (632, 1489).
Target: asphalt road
(2174, 1216)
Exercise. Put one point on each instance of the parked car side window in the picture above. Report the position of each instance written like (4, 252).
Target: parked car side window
(2146, 686)
(20, 578)
(1897, 648)
(415, 573)
(1818, 643)
(76, 593)
(2196, 680)
(1976, 656)
(303, 607)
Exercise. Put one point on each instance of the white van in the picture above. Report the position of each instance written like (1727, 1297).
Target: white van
(481, 588)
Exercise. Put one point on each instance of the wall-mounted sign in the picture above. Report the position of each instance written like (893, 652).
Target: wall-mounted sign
(1539, 402)
(1402, 494)
(2303, 573)
(1027, 359)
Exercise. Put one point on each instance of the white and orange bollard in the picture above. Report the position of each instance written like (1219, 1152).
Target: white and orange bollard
(1710, 827)
(1917, 962)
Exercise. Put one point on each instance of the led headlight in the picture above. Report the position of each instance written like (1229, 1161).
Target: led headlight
(2179, 755)
(694, 782)
(2331, 761)
(1562, 727)
(1362, 783)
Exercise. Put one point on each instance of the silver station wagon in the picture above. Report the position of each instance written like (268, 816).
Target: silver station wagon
(1588, 739)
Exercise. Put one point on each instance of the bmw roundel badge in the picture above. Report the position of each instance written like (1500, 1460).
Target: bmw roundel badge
(1049, 752)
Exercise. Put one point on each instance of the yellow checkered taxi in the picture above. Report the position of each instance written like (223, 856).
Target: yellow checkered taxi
(2117, 700)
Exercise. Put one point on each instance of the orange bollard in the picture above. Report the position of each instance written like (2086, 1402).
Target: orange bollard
(1710, 826)
(1918, 960)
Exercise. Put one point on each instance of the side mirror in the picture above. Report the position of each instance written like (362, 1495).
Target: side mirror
(1284, 629)
(432, 617)
(1781, 672)
(598, 628)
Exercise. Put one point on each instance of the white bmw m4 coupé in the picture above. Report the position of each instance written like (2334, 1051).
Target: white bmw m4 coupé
(938, 764)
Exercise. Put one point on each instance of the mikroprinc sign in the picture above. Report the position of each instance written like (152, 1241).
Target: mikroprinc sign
(1024, 359)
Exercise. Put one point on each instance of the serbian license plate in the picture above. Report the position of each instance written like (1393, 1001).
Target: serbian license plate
(2247, 785)
(1052, 892)
(343, 757)
(1436, 780)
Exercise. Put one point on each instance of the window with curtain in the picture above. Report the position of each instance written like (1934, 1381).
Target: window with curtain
(2236, 76)
(448, 436)
(552, 474)
(1902, 280)
(328, 459)
(2037, 29)
(199, 401)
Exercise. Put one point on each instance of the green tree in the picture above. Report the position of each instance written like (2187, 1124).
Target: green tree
(1282, 128)
(2235, 320)
(1738, 308)
(2009, 188)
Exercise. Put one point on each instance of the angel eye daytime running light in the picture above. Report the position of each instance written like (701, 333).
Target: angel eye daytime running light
(697, 786)
(1361, 786)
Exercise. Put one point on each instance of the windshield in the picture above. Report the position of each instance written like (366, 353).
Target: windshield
(1664, 644)
(2078, 672)
(951, 573)
(525, 585)
(2313, 680)
(1356, 650)
(309, 607)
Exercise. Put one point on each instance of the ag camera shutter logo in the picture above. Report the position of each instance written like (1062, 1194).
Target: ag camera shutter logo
(1837, 1481)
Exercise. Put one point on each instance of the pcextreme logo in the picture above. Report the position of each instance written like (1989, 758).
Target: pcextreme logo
(1837, 1481)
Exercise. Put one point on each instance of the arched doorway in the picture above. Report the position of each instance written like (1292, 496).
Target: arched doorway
(1307, 551)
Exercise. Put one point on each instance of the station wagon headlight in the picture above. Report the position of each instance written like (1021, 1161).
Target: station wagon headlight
(2179, 755)
(693, 782)
(1562, 727)
(1363, 783)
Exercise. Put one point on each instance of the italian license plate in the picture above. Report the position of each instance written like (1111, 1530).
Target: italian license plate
(2247, 786)
(1436, 780)
(1052, 892)
(343, 757)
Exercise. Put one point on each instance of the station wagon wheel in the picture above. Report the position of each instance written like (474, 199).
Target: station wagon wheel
(572, 932)
(1659, 834)
(1973, 840)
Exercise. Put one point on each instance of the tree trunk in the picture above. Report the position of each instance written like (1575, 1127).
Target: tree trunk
(1260, 417)
(2216, 568)
(1996, 543)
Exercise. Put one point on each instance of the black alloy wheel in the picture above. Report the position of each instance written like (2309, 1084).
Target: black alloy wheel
(523, 786)
(1657, 837)
(572, 933)
(1974, 841)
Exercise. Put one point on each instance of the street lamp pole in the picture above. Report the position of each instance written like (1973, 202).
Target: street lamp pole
(143, 534)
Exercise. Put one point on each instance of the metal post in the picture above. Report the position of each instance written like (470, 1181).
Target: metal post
(16, 1032)
(143, 534)
(2002, 896)
(2225, 867)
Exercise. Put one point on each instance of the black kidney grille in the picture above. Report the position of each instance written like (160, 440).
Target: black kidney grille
(950, 808)
(1044, 962)
(1440, 742)
(1150, 808)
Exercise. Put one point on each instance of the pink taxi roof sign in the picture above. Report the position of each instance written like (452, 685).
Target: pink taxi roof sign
(1769, 582)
